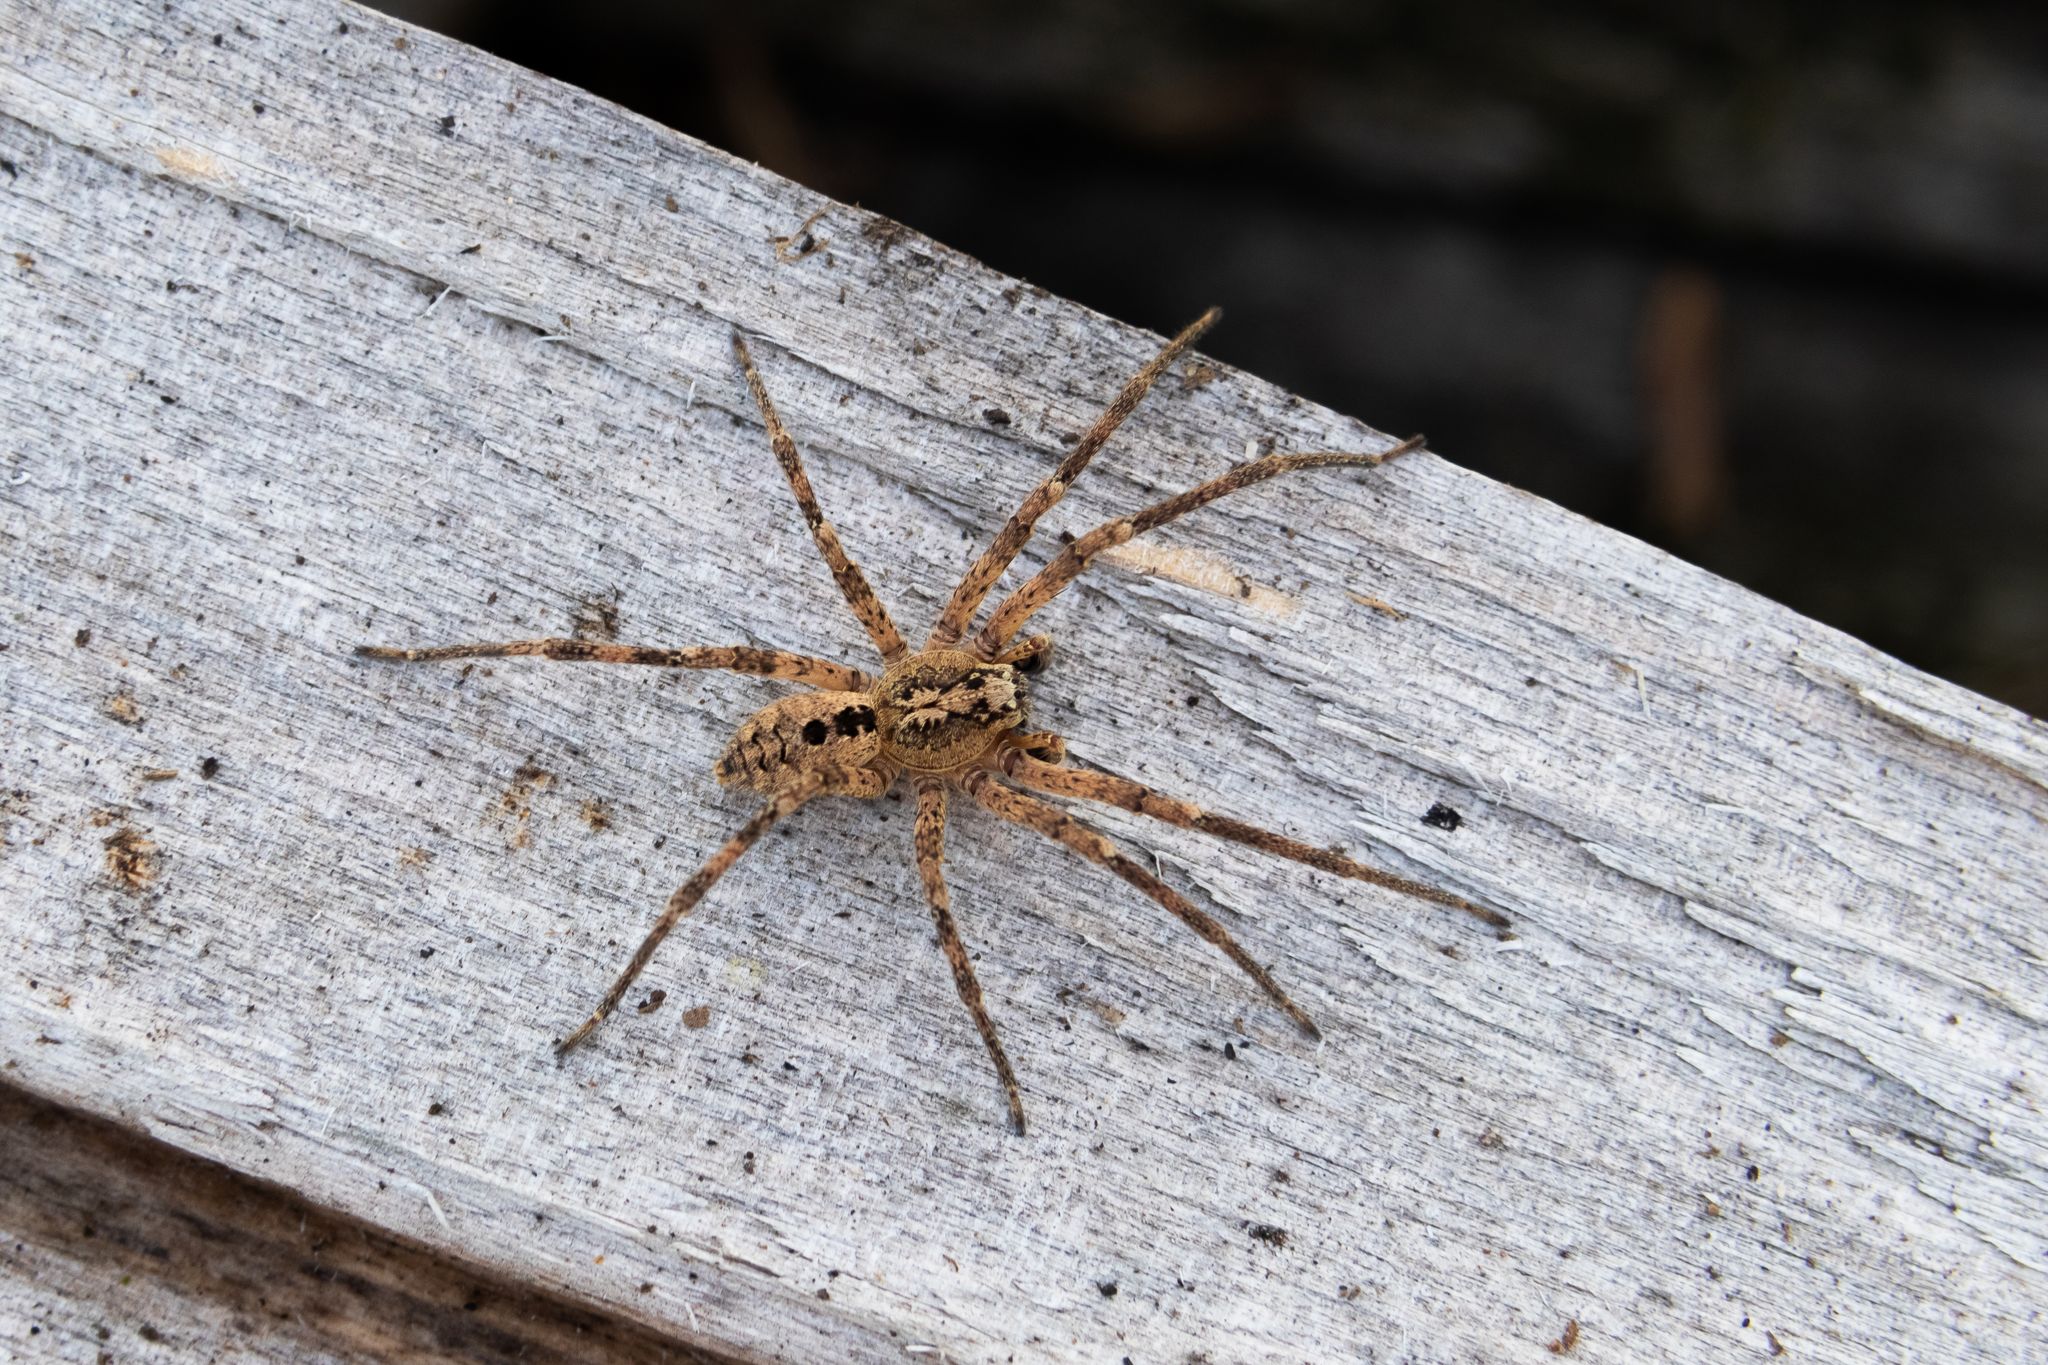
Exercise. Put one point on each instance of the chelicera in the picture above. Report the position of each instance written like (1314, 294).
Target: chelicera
(952, 717)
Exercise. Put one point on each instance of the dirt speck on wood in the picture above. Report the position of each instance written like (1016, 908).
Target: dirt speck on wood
(515, 804)
(132, 860)
(1440, 816)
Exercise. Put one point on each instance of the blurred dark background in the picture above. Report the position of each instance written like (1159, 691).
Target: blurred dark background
(1766, 284)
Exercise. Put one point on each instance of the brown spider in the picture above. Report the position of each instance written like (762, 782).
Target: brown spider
(951, 715)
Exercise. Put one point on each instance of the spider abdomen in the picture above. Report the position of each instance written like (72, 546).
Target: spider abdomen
(806, 733)
(940, 710)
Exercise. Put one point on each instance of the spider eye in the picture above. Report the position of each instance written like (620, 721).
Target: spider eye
(814, 731)
(1028, 664)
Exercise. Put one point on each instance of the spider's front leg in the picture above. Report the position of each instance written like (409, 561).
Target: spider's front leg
(853, 584)
(988, 570)
(1043, 586)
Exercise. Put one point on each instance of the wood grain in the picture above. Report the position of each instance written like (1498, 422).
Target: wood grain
(332, 331)
(113, 1246)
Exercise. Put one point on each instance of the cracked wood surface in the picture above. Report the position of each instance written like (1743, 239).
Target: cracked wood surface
(320, 329)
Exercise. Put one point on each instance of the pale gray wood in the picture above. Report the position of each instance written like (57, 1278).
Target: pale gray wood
(1760, 1065)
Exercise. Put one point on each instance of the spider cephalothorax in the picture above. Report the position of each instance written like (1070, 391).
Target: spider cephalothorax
(950, 717)
(944, 708)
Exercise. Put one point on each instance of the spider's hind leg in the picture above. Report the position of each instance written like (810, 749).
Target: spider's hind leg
(1092, 844)
(1028, 768)
(785, 803)
(931, 857)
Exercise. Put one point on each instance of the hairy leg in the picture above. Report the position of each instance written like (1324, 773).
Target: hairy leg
(1091, 844)
(1029, 655)
(760, 663)
(1016, 533)
(1027, 770)
(1067, 565)
(687, 895)
(853, 584)
(931, 857)
(1040, 744)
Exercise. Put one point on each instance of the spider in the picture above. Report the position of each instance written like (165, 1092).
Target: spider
(951, 717)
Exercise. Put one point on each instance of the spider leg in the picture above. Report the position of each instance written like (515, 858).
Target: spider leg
(1067, 565)
(931, 857)
(1040, 744)
(853, 584)
(1027, 770)
(687, 895)
(1093, 845)
(761, 663)
(1016, 533)
(1029, 655)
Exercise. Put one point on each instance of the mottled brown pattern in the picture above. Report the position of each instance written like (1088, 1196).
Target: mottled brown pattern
(947, 716)
(943, 709)
(797, 735)
(131, 860)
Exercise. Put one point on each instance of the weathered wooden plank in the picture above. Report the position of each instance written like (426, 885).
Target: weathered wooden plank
(113, 1248)
(1758, 1066)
